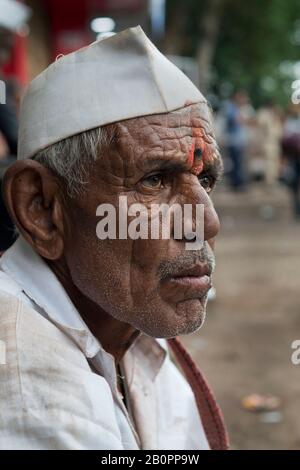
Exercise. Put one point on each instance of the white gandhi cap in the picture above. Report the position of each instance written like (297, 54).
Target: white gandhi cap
(121, 77)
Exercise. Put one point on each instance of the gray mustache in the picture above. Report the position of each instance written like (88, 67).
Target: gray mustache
(186, 260)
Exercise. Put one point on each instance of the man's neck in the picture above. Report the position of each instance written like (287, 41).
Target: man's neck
(115, 336)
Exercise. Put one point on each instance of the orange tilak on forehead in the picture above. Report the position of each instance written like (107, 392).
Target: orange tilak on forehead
(195, 156)
(200, 152)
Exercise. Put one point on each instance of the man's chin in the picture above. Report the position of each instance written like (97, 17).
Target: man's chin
(193, 313)
(187, 318)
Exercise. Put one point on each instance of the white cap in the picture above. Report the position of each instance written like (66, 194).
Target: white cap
(13, 15)
(121, 77)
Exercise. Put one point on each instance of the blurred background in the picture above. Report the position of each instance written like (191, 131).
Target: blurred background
(245, 58)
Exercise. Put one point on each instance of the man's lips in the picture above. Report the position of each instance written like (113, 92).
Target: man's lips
(195, 280)
(194, 271)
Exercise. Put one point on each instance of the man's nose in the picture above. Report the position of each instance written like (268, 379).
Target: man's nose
(211, 221)
(194, 194)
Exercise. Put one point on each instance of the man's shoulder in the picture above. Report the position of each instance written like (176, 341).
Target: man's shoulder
(8, 285)
(45, 377)
(28, 333)
(48, 387)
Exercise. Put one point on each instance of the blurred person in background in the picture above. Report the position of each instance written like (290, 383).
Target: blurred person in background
(12, 18)
(236, 120)
(8, 137)
(291, 156)
(8, 117)
(269, 125)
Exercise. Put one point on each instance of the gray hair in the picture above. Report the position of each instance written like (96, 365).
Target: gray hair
(71, 158)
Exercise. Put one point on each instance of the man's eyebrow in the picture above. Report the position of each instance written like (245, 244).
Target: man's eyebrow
(215, 167)
(164, 164)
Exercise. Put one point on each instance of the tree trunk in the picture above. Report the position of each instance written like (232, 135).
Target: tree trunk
(175, 29)
(209, 25)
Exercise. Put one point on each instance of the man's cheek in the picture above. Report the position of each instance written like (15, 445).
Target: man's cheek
(146, 257)
(146, 254)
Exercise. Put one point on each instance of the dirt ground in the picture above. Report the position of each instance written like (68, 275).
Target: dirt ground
(245, 345)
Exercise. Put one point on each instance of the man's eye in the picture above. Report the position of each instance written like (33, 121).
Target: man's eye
(207, 182)
(153, 181)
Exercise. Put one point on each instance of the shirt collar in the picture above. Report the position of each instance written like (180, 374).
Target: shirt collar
(41, 285)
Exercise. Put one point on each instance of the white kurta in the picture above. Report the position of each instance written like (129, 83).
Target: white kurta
(58, 386)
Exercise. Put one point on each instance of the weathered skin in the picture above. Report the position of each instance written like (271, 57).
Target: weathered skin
(121, 287)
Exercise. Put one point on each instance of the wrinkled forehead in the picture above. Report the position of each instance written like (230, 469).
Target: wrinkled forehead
(184, 137)
(177, 141)
(156, 129)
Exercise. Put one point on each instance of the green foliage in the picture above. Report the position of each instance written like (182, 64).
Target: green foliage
(255, 37)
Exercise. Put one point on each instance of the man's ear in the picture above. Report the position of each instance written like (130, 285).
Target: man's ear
(34, 201)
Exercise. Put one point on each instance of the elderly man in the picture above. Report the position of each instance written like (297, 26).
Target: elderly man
(85, 363)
